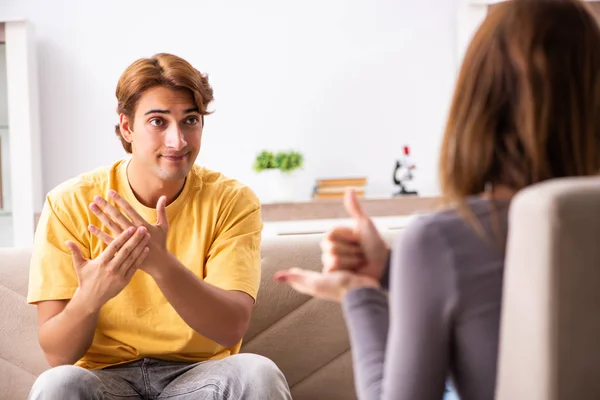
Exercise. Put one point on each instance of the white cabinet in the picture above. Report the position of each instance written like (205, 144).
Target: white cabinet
(385, 225)
(20, 134)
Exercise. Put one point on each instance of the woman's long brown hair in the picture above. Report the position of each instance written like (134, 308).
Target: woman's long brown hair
(527, 102)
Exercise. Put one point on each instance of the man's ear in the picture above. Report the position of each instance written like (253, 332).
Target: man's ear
(126, 128)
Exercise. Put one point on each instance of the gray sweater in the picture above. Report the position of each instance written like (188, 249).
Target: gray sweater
(442, 315)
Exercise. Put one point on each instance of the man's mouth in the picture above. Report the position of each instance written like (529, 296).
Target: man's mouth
(175, 158)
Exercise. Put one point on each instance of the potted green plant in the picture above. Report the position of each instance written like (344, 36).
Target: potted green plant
(289, 162)
(264, 160)
(277, 170)
(283, 161)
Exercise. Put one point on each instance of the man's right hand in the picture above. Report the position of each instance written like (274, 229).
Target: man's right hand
(106, 276)
(360, 249)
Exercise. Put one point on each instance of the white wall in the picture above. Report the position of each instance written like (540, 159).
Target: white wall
(4, 156)
(3, 94)
(347, 82)
(5, 220)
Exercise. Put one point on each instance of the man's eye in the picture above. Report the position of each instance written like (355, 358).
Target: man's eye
(192, 120)
(156, 122)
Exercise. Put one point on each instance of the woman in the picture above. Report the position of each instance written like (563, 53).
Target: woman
(526, 109)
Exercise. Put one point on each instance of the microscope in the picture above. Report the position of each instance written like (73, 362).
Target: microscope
(403, 173)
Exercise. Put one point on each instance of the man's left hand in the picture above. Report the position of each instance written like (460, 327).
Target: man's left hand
(118, 220)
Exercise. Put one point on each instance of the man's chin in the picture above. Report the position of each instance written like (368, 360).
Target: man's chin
(173, 174)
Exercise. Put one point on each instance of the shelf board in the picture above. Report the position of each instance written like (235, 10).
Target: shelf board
(334, 208)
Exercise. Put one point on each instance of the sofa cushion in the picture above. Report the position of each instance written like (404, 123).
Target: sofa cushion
(21, 358)
(14, 269)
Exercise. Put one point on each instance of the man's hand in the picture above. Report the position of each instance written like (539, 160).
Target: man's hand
(104, 277)
(328, 286)
(360, 249)
(117, 222)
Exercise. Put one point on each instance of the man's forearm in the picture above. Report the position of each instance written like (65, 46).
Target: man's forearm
(66, 337)
(209, 310)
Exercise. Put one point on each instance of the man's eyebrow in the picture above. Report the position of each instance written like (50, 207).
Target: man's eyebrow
(158, 112)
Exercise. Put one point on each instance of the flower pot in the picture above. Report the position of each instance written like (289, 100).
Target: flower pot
(279, 187)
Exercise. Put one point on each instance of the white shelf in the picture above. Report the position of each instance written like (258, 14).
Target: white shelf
(24, 151)
(320, 226)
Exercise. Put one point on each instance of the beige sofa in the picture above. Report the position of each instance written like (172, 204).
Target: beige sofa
(550, 345)
(550, 331)
(305, 337)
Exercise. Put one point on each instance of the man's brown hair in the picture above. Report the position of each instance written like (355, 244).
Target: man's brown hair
(160, 70)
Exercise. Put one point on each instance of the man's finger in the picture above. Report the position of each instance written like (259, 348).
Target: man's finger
(114, 227)
(78, 258)
(132, 270)
(126, 259)
(141, 258)
(110, 210)
(353, 206)
(100, 234)
(127, 208)
(129, 246)
(161, 212)
(116, 244)
(137, 262)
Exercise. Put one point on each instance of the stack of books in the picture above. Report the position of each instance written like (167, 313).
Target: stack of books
(336, 187)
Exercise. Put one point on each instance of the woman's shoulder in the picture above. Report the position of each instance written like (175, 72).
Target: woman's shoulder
(447, 224)
(452, 216)
(433, 223)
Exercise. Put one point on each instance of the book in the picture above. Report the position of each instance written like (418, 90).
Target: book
(342, 182)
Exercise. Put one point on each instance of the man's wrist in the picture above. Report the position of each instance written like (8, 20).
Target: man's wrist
(163, 267)
(83, 305)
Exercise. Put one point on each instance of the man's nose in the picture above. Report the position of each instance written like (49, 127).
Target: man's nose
(175, 138)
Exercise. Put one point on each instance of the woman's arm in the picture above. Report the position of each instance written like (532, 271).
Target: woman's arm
(401, 347)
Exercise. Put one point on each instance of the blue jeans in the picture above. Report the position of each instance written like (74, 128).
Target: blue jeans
(242, 376)
(450, 393)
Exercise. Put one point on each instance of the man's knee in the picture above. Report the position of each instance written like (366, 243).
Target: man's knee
(65, 381)
(260, 365)
(261, 371)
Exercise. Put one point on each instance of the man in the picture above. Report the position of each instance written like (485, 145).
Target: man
(145, 273)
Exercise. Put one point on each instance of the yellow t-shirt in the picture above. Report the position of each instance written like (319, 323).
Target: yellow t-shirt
(215, 231)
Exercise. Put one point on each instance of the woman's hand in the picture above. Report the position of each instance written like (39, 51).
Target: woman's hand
(359, 249)
(328, 286)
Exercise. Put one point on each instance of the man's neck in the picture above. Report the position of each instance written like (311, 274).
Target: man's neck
(148, 188)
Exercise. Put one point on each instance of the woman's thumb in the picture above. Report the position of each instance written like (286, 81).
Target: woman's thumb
(352, 206)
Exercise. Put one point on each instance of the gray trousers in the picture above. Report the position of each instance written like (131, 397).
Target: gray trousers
(242, 376)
